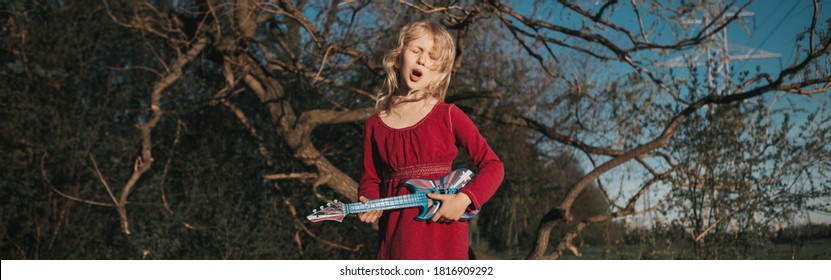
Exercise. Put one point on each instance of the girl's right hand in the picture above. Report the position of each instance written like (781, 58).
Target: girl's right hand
(369, 217)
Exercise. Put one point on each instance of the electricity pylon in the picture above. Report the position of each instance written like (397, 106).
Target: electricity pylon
(717, 48)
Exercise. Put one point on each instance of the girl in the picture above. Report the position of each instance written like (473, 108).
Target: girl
(414, 135)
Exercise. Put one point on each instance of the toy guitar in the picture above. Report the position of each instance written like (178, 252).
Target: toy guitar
(449, 184)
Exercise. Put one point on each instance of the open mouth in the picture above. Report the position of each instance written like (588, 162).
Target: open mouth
(415, 75)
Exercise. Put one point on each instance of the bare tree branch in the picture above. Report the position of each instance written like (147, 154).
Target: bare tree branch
(290, 176)
(103, 180)
(91, 202)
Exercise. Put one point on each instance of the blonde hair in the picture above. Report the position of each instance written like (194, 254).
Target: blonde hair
(443, 48)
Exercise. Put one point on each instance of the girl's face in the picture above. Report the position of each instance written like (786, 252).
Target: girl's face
(417, 64)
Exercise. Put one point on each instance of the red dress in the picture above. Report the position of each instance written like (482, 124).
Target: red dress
(424, 150)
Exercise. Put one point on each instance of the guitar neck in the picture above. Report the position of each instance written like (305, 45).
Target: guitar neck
(396, 202)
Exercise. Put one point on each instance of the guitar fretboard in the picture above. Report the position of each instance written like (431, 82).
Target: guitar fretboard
(396, 202)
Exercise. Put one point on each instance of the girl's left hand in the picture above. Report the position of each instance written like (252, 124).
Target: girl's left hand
(452, 207)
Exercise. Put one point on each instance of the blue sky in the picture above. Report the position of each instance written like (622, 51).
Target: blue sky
(774, 27)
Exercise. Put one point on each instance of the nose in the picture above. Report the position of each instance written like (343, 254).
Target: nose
(420, 60)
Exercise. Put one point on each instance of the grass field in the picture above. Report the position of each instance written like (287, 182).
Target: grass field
(817, 249)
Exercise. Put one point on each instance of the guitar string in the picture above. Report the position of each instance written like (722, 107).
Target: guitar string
(393, 202)
(389, 203)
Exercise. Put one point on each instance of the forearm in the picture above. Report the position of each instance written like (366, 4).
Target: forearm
(482, 187)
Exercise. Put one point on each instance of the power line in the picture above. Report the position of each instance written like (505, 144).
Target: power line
(770, 34)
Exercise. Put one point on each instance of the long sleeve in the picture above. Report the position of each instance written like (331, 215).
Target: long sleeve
(491, 170)
(370, 181)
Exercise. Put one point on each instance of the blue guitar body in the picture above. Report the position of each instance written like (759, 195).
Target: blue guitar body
(449, 184)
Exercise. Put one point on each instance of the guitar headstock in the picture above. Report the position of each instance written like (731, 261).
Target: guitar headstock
(332, 212)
